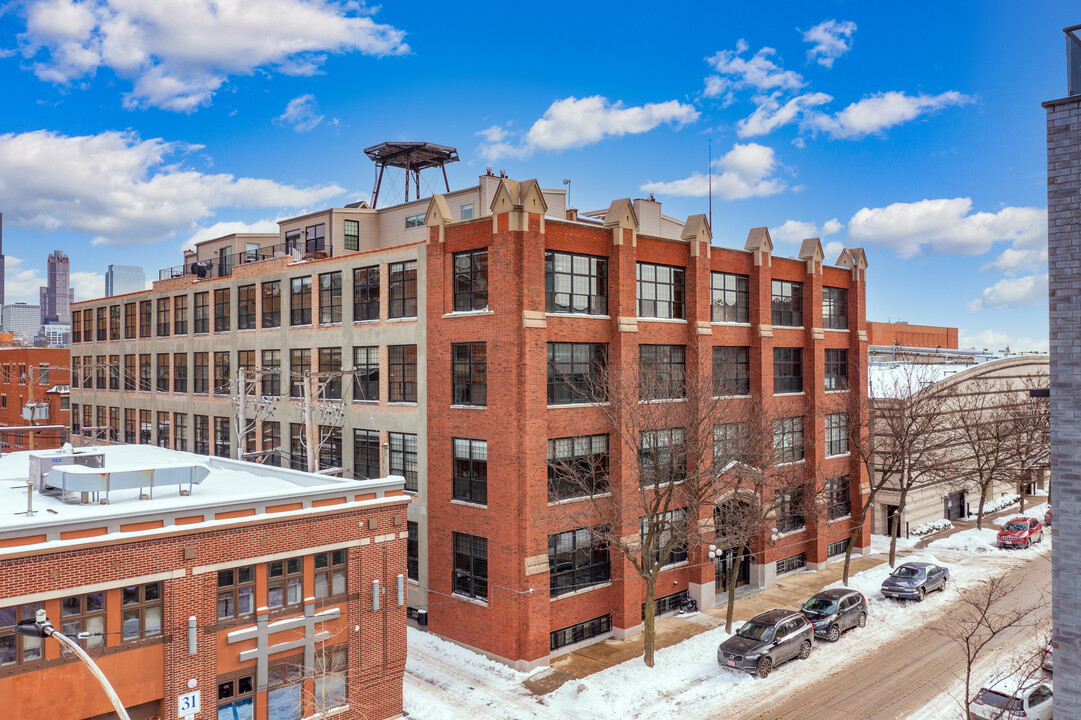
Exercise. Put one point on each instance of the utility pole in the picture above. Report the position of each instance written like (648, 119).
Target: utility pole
(309, 423)
(241, 420)
(30, 399)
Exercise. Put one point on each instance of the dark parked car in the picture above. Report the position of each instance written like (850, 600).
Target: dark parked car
(767, 640)
(913, 580)
(1020, 532)
(831, 612)
(1047, 518)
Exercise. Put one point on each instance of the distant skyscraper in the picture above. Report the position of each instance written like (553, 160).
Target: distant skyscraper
(23, 320)
(121, 279)
(56, 295)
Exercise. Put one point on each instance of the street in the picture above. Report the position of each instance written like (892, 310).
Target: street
(902, 675)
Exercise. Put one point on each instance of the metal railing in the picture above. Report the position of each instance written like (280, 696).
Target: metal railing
(1073, 60)
(215, 268)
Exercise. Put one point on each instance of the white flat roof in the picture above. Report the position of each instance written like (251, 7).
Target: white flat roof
(228, 482)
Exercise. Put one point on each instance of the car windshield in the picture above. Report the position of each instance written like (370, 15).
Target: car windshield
(1016, 526)
(1000, 701)
(907, 571)
(821, 605)
(756, 631)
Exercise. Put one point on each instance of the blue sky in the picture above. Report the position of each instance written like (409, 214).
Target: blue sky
(131, 127)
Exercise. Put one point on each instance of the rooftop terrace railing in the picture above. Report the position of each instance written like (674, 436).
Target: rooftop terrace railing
(223, 266)
(1073, 60)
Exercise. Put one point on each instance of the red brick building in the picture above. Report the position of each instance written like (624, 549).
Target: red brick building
(631, 279)
(272, 593)
(40, 376)
(906, 335)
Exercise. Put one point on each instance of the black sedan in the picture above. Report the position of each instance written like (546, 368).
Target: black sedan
(913, 580)
(831, 612)
(767, 640)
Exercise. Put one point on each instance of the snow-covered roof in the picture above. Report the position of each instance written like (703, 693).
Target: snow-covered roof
(898, 378)
(227, 483)
(60, 389)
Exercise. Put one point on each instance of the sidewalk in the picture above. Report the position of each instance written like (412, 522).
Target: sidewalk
(789, 592)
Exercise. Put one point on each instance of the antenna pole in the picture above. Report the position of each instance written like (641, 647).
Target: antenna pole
(709, 172)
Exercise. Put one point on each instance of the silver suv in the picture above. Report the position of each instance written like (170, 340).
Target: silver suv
(767, 640)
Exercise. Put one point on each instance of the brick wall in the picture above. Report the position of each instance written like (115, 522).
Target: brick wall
(377, 643)
(1064, 261)
(514, 624)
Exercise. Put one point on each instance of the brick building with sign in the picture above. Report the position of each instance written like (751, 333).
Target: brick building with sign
(198, 583)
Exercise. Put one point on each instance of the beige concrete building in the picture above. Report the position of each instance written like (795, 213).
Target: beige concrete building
(336, 291)
(951, 497)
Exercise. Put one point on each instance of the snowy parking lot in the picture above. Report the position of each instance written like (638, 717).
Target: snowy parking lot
(446, 681)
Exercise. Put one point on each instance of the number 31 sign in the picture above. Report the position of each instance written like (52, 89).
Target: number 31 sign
(188, 703)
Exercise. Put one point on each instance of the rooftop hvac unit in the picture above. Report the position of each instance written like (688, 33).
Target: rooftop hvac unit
(41, 463)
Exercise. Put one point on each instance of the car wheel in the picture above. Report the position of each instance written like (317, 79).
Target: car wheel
(863, 620)
(765, 667)
(921, 595)
(805, 649)
(1028, 543)
(834, 633)
(1041, 537)
(943, 588)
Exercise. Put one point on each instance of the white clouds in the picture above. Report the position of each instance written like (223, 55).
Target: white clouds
(301, 113)
(1012, 292)
(945, 226)
(178, 53)
(1013, 260)
(221, 229)
(88, 285)
(831, 40)
(746, 171)
(997, 340)
(118, 188)
(759, 71)
(573, 123)
(770, 114)
(798, 230)
(875, 113)
(21, 284)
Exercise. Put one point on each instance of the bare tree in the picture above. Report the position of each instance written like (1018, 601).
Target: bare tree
(759, 492)
(648, 493)
(1031, 432)
(987, 613)
(898, 435)
(983, 450)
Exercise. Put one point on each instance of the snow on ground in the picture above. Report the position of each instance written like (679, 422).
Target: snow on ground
(1036, 511)
(880, 544)
(979, 542)
(446, 681)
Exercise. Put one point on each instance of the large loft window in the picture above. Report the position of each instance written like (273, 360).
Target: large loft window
(660, 291)
(471, 280)
(575, 283)
(729, 298)
(787, 303)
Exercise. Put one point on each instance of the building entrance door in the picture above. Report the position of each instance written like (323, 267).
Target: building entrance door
(955, 505)
(893, 520)
(727, 563)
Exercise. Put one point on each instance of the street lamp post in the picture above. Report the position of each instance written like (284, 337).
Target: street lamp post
(40, 627)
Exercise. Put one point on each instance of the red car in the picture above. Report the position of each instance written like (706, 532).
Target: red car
(1020, 532)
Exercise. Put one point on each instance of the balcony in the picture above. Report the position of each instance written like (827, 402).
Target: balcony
(222, 266)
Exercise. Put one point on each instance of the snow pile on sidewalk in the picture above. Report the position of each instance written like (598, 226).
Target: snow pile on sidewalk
(932, 527)
(1037, 511)
(993, 506)
(880, 544)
